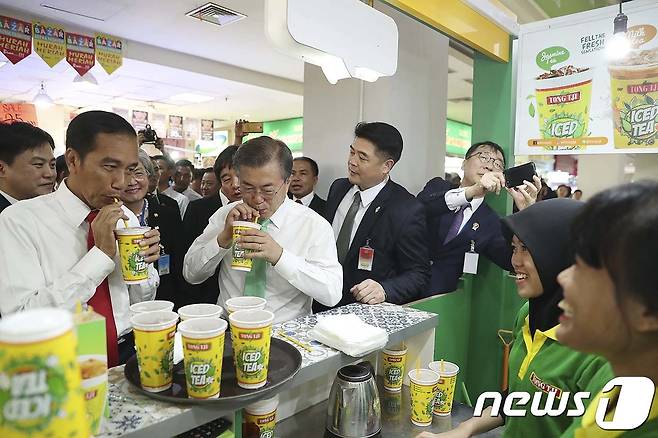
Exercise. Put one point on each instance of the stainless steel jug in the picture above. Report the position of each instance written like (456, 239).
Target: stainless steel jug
(353, 410)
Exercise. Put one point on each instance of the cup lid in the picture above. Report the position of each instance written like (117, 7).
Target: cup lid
(354, 373)
(34, 325)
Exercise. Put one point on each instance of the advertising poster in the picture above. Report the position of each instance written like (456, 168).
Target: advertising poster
(175, 127)
(206, 130)
(577, 95)
(49, 42)
(15, 38)
(109, 52)
(80, 52)
(191, 128)
(18, 112)
(140, 119)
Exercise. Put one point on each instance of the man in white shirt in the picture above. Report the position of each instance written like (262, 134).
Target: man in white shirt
(295, 245)
(166, 165)
(305, 174)
(50, 255)
(183, 174)
(27, 163)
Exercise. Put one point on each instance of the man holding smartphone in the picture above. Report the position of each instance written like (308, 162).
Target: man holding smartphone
(460, 222)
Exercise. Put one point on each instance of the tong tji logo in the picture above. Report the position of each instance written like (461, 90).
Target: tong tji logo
(631, 409)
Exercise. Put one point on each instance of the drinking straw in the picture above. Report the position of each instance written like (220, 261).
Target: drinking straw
(78, 307)
(442, 367)
(295, 341)
(125, 222)
(417, 366)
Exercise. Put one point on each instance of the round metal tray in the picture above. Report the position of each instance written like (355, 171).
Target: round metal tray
(285, 362)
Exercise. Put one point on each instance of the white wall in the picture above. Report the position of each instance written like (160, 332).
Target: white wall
(599, 172)
(413, 100)
(54, 120)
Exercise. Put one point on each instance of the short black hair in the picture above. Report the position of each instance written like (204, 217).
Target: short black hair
(18, 137)
(617, 231)
(198, 173)
(490, 144)
(83, 129)
(312, 163)
(260, 151)
(577, 191)
(386, 138)
(224, 159)
(167, 159)
(60, 165)
(185, 163)
(568, 189)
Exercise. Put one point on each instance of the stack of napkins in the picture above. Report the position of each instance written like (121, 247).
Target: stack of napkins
(349, 334)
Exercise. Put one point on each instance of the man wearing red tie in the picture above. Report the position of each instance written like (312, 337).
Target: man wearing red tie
(59, 249)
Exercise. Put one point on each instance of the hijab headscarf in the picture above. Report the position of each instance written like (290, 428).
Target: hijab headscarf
(544, 229)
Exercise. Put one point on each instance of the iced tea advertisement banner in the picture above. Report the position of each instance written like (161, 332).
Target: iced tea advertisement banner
(577, 96)
(49, 42)
(109, 52)
(15, 38)
(80, 52)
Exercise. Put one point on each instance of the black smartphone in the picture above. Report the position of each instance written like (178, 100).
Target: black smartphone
(514, 176)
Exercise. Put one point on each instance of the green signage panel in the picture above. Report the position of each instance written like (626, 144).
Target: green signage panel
(289, 131)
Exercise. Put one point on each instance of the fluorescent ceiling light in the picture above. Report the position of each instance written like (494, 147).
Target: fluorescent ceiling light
(42, 99)
(191, 98)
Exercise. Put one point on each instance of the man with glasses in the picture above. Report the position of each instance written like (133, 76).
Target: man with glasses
(294, 254)
(460, 221)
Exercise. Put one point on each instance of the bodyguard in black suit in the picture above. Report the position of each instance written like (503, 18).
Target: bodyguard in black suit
(199, 212)
(458, 217)
(383, 218)
(27, 163)
(304, 178)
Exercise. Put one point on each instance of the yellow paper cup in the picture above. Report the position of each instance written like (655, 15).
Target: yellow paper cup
(447, 383)
(133, 265)
(423, 388)
(40, 391)
(203, 348)
(245, 303)
(251, 331)
(201, 310)
(260, 418)
(391, 403)
(154, 339)
(241, 260)
(393, 367)
(93, 368)
(151, 306)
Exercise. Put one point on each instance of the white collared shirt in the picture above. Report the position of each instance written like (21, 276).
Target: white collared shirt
(308, 268)
(191, 194)
(44, 261)
(367, 196)
(181, 199)
(306, 200)
(224, 198)
(9, 198)
(456, 199)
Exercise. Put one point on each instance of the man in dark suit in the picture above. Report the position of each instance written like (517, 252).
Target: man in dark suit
(154, 194)
(304, 178)
(27, 163)
(460, 221)
(380, 228)
(198, 213)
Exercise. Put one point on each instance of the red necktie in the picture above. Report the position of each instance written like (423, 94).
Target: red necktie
(102, 303)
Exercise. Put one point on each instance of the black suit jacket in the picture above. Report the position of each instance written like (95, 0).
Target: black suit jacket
(167, 218)
(394, 224)
(4, 203)
(196, 220)
(163, 199)
(318, 205)
(483, 228)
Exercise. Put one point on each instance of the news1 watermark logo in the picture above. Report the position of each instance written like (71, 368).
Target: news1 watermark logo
(631, 410)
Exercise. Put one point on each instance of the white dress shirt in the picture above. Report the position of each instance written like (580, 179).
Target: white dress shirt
(367, 196)
(456, 199)
(308, 268)
(191, 194)
(224, 198)
(182, 200)
(9, 198)
(44, 261)
(306, 200)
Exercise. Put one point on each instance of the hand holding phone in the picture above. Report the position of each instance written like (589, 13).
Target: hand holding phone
(514, 176)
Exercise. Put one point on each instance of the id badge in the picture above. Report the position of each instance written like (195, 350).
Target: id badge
(366, 257)
(471, 260)
(163, 264)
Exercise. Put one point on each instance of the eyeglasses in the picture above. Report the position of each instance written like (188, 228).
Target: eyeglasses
(268, 193)
(485, 158)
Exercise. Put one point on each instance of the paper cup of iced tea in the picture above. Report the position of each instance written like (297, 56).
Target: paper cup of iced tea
(251, 332)
(151, 306)
(93, 368)
(423, 388)
(40, 376)
(200, 310)
(154, 340)
(446, 386)
(260, 418)
(393, 361)
(241, 260)
(245, 303)
(133, 265)
(203, 348)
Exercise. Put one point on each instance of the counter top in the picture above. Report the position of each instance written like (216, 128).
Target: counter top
(396, 408)
(135, 415)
